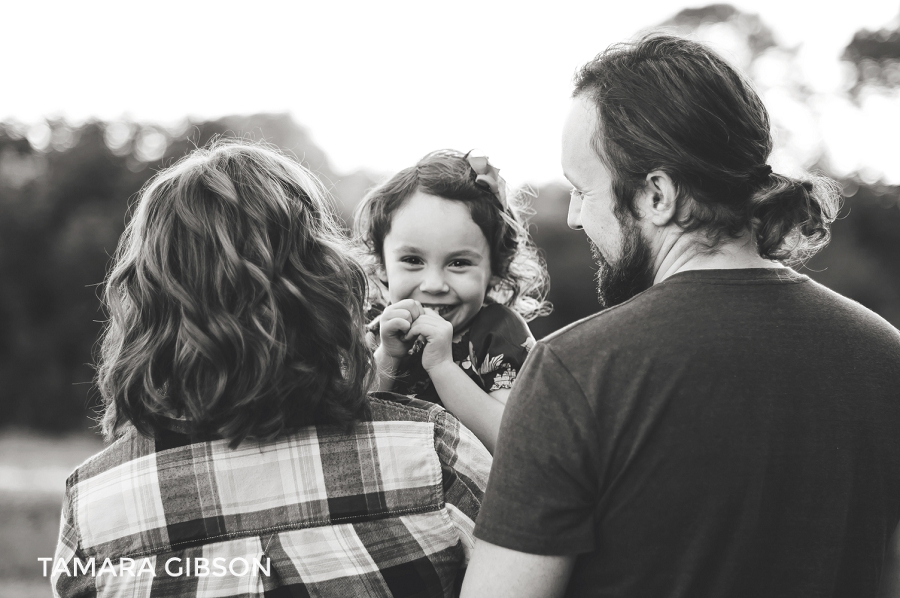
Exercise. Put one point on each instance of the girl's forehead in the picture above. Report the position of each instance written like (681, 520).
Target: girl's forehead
(428, 222)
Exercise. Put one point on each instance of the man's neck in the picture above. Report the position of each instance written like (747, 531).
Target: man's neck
(680, 251)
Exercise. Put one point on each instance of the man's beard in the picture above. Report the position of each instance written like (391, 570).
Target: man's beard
(632, 274)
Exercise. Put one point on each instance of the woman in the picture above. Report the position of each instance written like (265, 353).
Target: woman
(247, 457)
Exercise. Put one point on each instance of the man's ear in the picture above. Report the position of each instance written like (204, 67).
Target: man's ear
(658, 200)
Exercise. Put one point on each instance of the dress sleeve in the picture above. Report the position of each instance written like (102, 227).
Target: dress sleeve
(499, 343)
(465, 465)
(544, 484)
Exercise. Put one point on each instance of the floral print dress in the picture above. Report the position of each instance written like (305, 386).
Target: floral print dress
(491, 351)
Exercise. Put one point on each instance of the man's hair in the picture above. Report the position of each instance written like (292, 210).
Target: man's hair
(670, 104)
(233, 303)
(515, 260)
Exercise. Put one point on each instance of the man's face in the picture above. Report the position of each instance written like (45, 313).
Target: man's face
(623, 255)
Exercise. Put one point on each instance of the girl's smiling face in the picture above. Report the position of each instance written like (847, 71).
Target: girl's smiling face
(437, 255)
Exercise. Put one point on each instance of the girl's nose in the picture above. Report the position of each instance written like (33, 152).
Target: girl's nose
(433, 282)
(574, 217)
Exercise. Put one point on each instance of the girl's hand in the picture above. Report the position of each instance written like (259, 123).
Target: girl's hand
(438, 335)
(395, 324)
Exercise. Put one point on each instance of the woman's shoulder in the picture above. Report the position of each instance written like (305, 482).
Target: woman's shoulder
(455, 444)
(390, 406)
(393, 407)
(128, 446)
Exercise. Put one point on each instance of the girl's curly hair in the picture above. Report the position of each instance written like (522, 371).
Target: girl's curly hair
(233, 303)
(515, 261)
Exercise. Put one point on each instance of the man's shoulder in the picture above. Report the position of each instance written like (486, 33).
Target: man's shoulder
(840, 307)
(613, 324)
(667, 312)
(578, 328)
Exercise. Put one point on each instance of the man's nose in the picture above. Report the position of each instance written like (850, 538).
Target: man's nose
(574, 217)
(433, 281)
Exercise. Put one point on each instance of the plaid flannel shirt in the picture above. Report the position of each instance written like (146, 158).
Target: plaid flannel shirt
(386, 511)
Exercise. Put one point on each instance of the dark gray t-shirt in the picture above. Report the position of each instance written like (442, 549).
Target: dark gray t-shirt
(727, 433)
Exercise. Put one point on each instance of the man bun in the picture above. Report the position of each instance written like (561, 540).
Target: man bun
(791, 218)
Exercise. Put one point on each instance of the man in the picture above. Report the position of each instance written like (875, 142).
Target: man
(726, 427)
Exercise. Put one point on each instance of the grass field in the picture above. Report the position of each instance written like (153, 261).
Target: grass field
(33, 470)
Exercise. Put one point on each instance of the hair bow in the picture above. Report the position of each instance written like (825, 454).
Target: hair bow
(488, 176)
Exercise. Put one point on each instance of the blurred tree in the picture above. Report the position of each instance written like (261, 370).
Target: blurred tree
(863, 259)
(57, 227)
(876, 56)
(720, 21)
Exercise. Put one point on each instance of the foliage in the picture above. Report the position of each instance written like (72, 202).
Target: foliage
(758, 37)
(876, 56)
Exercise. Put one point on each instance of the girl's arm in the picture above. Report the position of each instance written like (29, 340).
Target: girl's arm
(500, 395)
(476, 409)
(385, 365)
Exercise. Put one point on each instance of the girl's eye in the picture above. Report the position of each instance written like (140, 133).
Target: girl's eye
(412, 260)
(460, 263)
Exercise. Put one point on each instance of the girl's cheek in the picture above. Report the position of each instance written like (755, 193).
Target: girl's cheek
(401, 286)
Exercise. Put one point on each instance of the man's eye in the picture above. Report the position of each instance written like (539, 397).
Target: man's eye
(575, 193)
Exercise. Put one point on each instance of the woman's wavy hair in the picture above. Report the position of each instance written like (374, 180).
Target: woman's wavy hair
(671, 104)
(233, 303)
(515, 261)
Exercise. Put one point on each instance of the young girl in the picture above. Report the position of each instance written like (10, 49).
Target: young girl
(462, 277)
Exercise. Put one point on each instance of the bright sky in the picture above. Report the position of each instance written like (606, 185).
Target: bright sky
(379, 84)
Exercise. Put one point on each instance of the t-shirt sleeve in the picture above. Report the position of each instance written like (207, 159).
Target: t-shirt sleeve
(544, 484)
(500, 342)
